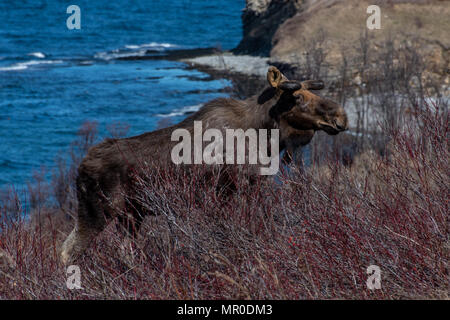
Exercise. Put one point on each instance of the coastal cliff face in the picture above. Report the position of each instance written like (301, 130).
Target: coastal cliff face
(289, 31)
(261, 19)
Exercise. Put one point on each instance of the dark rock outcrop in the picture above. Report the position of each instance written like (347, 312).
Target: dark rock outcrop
(261, 19)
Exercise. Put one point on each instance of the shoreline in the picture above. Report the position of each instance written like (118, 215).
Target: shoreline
(246, 73)
(230, 63)
(210, 59)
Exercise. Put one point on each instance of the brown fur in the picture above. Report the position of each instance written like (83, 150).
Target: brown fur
(104, 174)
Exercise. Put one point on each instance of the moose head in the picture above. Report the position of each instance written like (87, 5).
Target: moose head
(301, 109)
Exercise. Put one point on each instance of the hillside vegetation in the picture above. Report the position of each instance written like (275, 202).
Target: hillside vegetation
(375, 196)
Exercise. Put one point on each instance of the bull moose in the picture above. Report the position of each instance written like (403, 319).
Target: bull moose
(286, 105)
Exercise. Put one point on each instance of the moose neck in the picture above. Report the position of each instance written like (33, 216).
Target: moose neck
(258, 108)
(252, 113)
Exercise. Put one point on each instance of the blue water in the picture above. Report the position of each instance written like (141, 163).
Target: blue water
(52, 79)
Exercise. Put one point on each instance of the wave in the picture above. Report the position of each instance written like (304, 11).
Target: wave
(115, 55)
(153, 45)
(181, 112)
(25, 65)
(39, 55)
(133, 50)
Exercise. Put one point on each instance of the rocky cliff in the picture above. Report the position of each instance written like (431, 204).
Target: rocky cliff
(261, 19)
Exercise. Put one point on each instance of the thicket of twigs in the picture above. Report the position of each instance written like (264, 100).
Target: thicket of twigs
(378, 196)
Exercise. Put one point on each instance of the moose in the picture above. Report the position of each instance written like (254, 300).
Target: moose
(104, 173)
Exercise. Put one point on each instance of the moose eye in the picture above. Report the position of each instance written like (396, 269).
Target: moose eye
(298, 98)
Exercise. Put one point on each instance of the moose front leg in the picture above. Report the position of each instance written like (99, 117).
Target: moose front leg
(293, 144)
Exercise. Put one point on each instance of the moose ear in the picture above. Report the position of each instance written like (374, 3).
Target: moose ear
(290, 86)
(274, 76)
(313, 85)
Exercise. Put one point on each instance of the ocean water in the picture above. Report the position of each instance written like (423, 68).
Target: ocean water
(53, 79)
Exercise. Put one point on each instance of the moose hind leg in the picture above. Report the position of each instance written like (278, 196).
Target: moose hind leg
(91, 220)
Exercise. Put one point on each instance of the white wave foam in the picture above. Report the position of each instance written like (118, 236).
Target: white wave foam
(25, 65)
(112, 55)
(13, 68)
(132, 50)
(39, 55)
(154, 45)
(181, 112)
